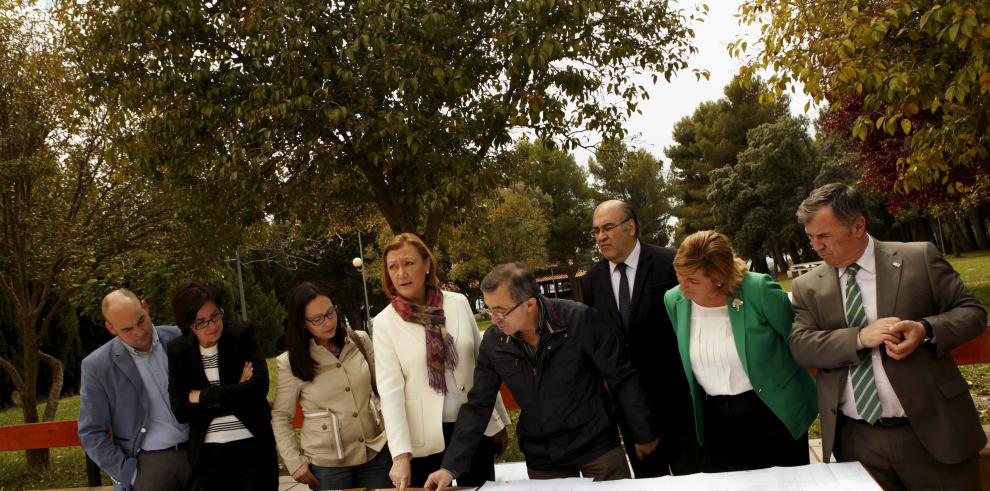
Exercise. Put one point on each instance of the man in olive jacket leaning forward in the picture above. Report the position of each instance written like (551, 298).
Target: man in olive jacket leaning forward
(554, 355)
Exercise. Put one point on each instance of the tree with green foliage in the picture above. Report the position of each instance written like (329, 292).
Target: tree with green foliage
(636, 177)
(400, 104)
(919, 69)
(754, 201)
(570, 204)
(710, 139)
(511, 226)
(69, 203)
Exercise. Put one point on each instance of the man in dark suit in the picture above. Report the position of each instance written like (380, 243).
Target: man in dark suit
(627, 286)
(126, 423)
(877, 320)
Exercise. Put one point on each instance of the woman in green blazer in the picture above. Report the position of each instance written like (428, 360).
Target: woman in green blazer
(752, 403)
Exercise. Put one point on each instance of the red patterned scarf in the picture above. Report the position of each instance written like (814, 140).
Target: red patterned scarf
(440, 352)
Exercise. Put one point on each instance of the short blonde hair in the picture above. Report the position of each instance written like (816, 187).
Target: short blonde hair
(711, 253)
(398, 242)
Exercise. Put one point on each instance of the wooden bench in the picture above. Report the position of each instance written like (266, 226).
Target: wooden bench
(53, 434)
(65, 433)
(975, 351)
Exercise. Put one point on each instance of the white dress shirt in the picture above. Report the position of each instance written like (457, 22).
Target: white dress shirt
(714, 359)
(867, 280)
(632, 261)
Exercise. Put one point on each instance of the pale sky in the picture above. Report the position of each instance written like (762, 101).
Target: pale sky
(669, 102)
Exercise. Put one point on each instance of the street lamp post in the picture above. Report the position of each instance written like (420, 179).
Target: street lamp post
(240, 286)
(358, 263)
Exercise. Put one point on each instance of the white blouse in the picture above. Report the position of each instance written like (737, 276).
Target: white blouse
(714, 358)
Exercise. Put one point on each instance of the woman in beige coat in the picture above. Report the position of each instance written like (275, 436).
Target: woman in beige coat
(427, 343)
(329, 370)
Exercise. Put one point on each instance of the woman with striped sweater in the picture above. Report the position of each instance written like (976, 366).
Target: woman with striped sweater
(218, 383)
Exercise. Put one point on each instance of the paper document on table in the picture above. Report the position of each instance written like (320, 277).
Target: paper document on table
(850, 476)
(568, 484)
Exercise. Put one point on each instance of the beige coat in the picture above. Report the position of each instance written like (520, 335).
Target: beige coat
(342, 420)
(413, 411)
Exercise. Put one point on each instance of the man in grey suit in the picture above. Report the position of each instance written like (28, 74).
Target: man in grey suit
(877, 321)
(126, 423)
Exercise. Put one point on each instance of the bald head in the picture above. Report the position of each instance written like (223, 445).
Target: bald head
(125, 317)
(116, 298)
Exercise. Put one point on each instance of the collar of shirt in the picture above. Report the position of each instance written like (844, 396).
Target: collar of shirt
(541, 324)
(141, 354)
(866, 262)
(631, 261)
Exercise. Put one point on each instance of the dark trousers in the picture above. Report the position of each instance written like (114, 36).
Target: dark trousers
(654, 465)
(742, 433)
(896, 459)
(248, 464)
(610, 466)
(166, 470)
(482, 465)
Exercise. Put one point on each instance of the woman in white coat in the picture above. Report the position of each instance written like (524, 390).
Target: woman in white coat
(426, 344)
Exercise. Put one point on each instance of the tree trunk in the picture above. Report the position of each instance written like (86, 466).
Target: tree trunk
(959, 236)
(919, 232)
(792, 251)
(759, 263)
(37, 459)
(778, 260)
(979, 228)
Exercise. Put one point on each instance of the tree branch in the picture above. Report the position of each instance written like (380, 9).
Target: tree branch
(58, 373)
(13, 373)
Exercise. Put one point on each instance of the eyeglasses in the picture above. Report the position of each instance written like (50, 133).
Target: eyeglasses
(502, 315)
(607, 227)
(319, 319)
(214, 319)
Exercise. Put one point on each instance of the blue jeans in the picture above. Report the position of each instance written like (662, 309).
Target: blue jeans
(371, 474)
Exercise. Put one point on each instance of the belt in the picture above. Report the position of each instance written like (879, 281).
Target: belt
(178, 446)
(892, 422)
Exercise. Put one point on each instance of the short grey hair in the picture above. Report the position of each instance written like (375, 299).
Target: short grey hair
(847, 203)
(520, 281)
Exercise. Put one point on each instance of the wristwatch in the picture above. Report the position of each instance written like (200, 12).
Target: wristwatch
(929, 332)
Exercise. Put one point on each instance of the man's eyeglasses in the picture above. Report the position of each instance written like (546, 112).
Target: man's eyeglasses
(214, 319)
(499, 315)
(607, 227)
(319, 319)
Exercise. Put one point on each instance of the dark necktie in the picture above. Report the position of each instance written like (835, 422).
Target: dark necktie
(624, 310)
(864, 384)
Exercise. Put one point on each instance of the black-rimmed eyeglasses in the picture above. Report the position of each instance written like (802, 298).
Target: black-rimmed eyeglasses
(607, 227)
(214, 319)
(319, 319)
(497, 314)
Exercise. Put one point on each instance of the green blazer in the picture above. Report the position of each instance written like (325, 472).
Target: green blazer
(761, 326)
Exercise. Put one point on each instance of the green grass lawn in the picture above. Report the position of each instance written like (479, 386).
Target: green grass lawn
(69, 469)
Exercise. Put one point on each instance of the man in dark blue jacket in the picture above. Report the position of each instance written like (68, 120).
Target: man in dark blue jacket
(555, 356)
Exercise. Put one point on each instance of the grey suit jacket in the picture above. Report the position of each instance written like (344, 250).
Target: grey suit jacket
(112, 397)
(914, 282)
